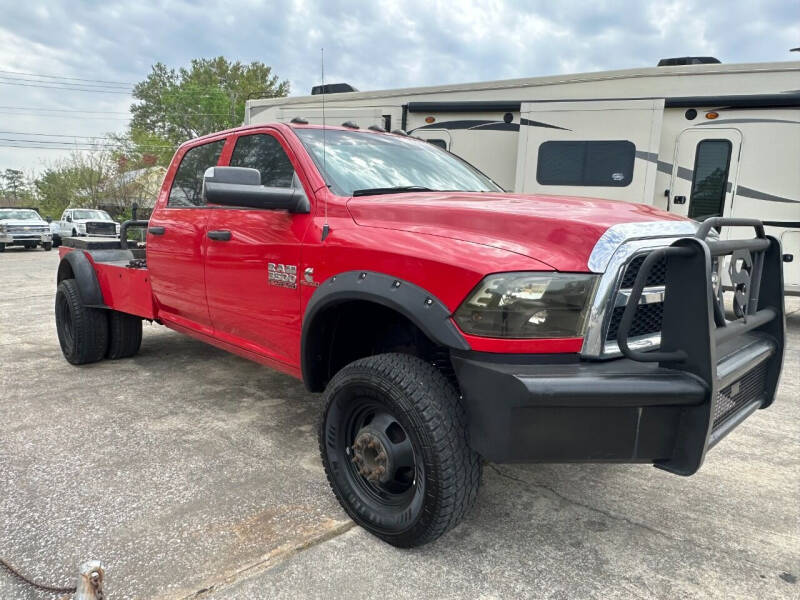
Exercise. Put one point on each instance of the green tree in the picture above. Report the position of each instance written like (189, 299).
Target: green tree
(57, 187)
(81, 180)
(16, 191)
(173, 106)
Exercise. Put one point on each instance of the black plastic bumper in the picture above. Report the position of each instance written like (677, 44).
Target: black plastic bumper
(535, 409)
(667, 406)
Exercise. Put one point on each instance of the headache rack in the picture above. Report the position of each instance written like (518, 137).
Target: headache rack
(738, 360)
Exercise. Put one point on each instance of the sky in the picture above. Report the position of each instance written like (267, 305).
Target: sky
(109, 45)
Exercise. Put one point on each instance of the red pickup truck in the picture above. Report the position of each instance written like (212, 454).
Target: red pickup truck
(445, 321)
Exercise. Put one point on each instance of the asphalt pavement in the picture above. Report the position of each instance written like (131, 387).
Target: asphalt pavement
(192, 473)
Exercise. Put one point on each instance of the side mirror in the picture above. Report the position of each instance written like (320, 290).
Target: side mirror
(240, 186)
(69, 218)
(49, 219)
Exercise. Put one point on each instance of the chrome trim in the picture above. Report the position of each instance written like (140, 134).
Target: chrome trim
(641, 342)
(650, 295)
(623, 233)
(595, 345)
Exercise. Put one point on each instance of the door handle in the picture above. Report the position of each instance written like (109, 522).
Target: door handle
(220, 236)
(679, 200)
(156, 230)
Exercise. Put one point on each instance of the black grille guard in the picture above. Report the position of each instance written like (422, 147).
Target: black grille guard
(696, 337)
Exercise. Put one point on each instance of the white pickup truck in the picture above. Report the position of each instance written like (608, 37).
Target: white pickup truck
(23, 227)
(76, 222)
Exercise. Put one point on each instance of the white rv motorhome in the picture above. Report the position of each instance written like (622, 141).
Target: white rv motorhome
(695, 139)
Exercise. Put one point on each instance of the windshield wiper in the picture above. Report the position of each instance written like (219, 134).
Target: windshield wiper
(392, 190)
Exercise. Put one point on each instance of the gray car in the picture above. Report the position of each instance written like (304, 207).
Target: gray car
(24, 227)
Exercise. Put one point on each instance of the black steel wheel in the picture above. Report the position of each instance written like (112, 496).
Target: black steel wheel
(394, 446)
(82, 331)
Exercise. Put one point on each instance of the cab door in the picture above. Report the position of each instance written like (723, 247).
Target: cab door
(253, 258)
(704, 173)
(176, 241)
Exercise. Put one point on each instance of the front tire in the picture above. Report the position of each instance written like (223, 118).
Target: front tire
(394, 446)
(47, 246)
(82, 331)
(2, 247)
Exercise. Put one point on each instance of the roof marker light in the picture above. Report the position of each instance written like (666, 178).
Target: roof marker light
(712, 115)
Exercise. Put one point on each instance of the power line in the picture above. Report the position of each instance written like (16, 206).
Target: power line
(62, 135)
(109, 112)
(53, 87)
(82, 118)
(66, 83)
(63, 77)
(115, 141)
(102, 144)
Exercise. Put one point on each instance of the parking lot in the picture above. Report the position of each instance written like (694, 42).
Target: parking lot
(194, 473)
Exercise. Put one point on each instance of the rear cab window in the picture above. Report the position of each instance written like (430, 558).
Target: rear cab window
(187, 186)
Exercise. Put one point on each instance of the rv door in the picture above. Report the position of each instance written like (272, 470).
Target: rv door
(598, 148)
(704, 170)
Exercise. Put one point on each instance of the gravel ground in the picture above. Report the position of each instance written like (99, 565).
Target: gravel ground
(193, 473)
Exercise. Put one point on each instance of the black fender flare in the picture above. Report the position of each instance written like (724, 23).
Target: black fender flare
(418, 305)
(84, 274)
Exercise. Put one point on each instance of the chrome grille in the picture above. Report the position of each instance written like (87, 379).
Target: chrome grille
(29, 229)
(647, 319)
(737, 395)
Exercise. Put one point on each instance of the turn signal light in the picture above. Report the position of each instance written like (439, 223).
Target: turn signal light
(712, 115)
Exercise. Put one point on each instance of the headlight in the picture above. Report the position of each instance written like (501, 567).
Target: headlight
(528, 305)
(117, 226)
(2, 227)
(81, 227)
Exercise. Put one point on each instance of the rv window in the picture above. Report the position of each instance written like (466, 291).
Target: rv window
(710, 180)
(606, 163)
(441, 143)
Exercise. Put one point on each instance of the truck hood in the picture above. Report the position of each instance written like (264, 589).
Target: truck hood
(560, 231)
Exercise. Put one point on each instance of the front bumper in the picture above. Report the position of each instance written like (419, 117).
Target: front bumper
(668, 407)
(542, 408)
(11, 239)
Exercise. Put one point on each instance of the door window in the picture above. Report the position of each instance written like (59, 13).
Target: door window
(264, 152)
(710, 180)
(187, 187)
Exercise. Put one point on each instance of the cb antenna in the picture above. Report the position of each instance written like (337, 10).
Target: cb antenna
(326, 228)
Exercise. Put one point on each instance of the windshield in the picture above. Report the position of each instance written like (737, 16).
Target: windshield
(368, 162)
(19, 214)
(96, 215)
